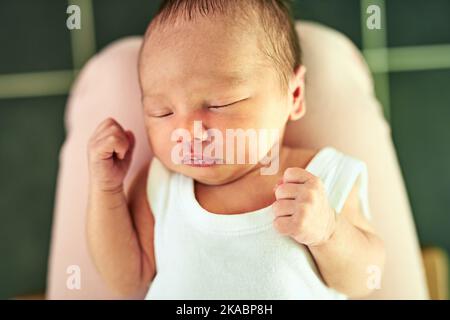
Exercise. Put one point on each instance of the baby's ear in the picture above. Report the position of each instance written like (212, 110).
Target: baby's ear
(297, 94)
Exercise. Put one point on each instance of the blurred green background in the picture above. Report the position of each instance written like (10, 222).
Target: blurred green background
(38, 55)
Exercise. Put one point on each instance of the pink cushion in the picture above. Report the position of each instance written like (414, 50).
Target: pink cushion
(342, 112)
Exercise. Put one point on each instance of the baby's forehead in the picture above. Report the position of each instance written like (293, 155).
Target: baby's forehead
(203, 46)
(204, 32)
(209, 78)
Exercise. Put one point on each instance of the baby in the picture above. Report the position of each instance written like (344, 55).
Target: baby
(198, 224)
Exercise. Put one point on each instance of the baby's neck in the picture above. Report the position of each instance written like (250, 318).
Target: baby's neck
(252, 191)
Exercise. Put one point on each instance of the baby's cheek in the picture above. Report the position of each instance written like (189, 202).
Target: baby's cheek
(159, 142)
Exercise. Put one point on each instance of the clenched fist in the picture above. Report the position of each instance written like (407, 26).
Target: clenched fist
(301, 208)
(109, 151)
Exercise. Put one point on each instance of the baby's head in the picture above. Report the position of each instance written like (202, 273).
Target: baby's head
(228, 65)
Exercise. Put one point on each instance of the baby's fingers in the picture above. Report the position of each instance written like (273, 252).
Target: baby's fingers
(297, 175)
(287, 191)
(132, 143)
(112, 129)
(113, 144)
(131, 138)
(284, 225)
(282, 208)
(105, 124)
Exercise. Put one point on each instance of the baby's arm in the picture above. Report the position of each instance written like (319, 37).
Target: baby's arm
(119, 231)
(344, 246)
(353, 254)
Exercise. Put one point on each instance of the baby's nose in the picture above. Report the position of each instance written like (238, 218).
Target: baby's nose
(200, 132)
(197, 130)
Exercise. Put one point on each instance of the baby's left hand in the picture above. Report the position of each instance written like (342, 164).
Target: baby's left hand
(302, 210)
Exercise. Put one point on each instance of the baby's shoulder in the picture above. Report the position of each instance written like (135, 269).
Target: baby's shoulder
(327, 155)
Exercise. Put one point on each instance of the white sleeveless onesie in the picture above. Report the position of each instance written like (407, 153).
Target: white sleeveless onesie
(202, 255)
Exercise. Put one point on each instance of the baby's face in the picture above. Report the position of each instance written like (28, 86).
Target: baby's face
(209, 71)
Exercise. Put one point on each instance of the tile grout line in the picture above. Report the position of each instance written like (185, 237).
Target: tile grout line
(411, 58)
(377, 39)
(36, 84)
(83, 40)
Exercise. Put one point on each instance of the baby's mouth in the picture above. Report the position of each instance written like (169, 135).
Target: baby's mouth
(200, 160)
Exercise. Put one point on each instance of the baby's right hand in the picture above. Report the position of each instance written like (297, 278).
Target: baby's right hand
(109, 152)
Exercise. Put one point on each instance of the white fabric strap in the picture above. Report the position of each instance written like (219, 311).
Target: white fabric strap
(339, 173)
